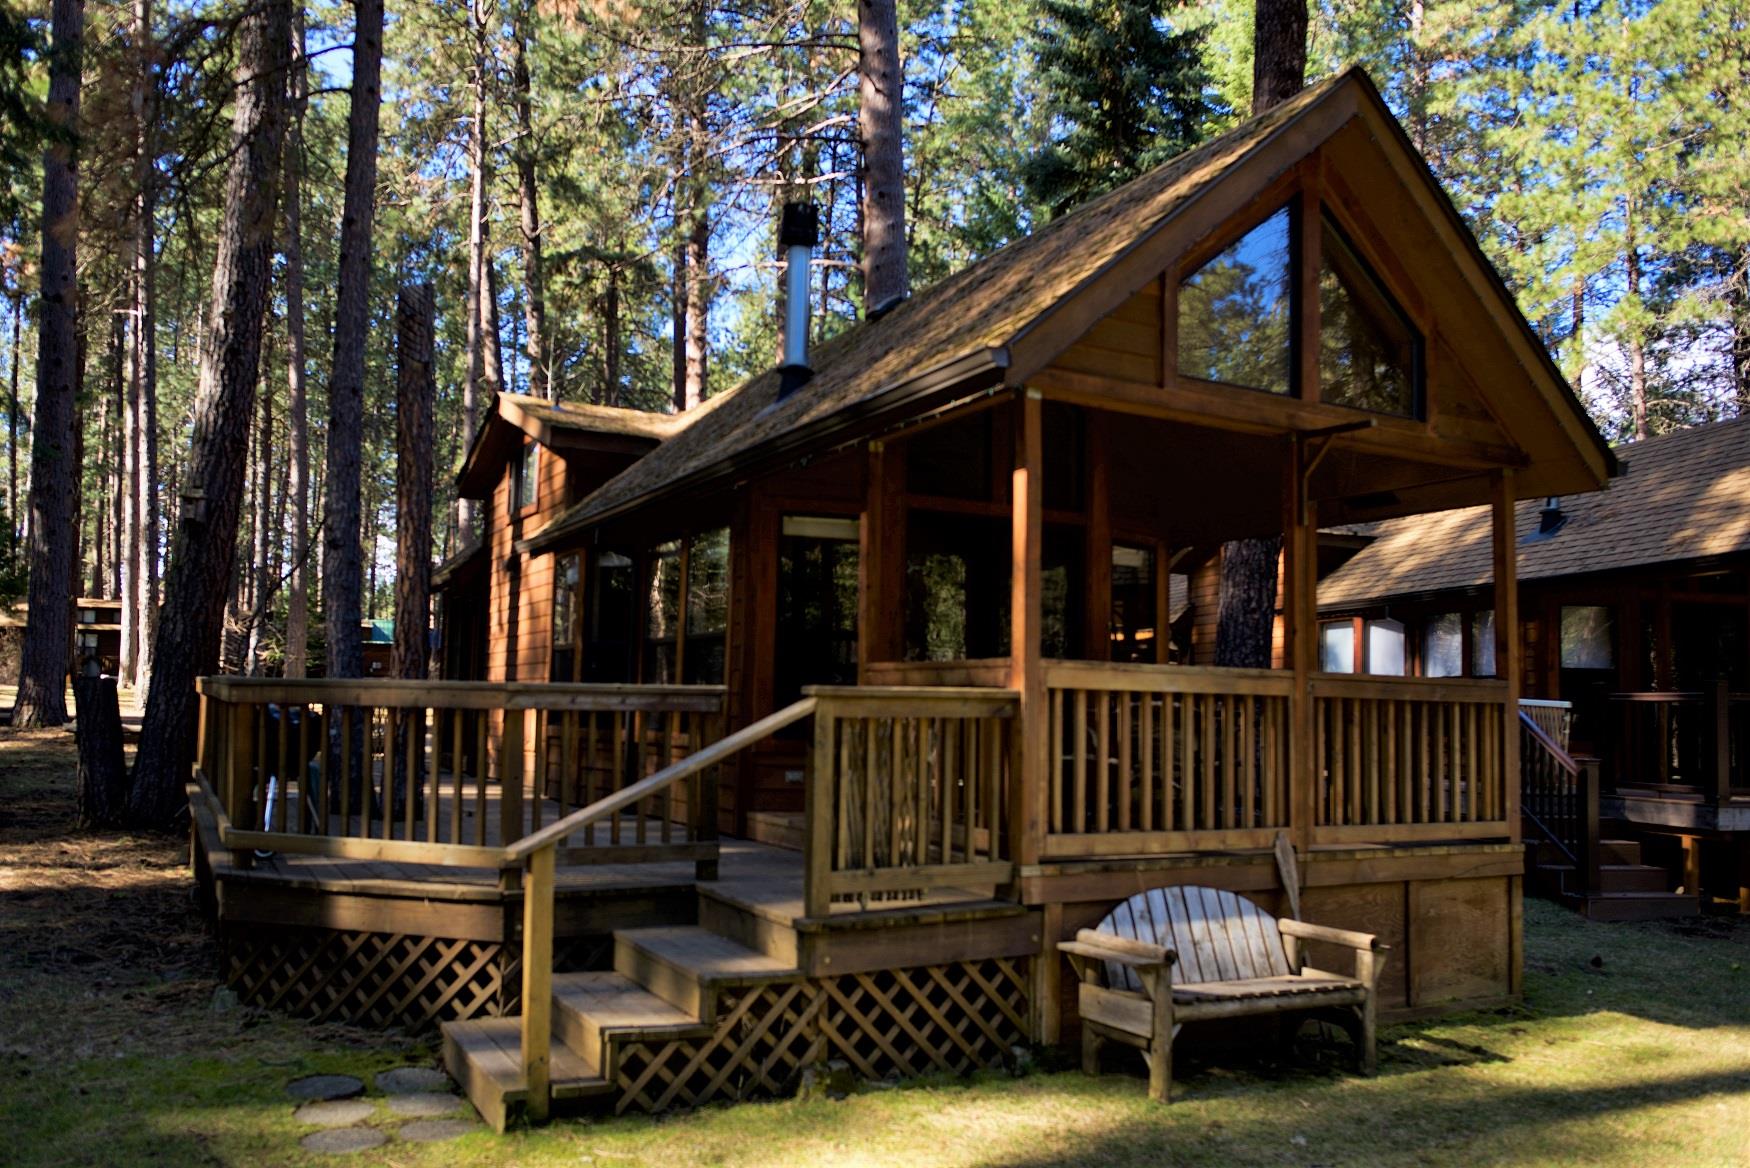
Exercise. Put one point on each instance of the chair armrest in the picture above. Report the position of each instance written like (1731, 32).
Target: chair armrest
(1122, 950)
(1345, 937)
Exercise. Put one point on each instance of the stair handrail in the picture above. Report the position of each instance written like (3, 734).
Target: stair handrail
(537, 854)
(1585, 854)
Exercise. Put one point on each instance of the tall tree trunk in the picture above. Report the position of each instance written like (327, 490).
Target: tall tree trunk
(1738, 296)
(467, 510)
(1578, 337)
(416, 393)
(1635, 342)
(611, 337)
(1417, 77)
(678, 325)
(42, 680)
(534, 291)
(140, 514)
(297, 406)
(12, 509)
(491, 352)
(261, 595)
(1246, 617)
(693, 218)
(880, 122)
(203, 557)
(1278, 51)
(346, 387)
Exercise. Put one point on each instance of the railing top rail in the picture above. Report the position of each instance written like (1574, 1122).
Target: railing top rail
(555, 832)
(463, 695)
(1659, 697)
(1425, 689)
(1545, 704)
(1127, 675)
(977, 693)
(1563, 759)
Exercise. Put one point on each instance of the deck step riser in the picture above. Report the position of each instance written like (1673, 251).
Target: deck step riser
(748, 928)
(1641, 908)
(1634, 878)
(678, 987)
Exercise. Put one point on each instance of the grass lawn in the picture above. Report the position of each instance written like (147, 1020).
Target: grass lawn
(1632, 1048)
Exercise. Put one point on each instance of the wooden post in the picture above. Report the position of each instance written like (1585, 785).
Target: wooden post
(537, 977)
(510, 778)
(1589, 857)
(820, 805)
(880, 618)
(1300, 632)
(1508, 643)
(1028, 794)
(1719, 741)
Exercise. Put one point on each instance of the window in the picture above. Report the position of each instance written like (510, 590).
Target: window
(1337, 646)
(1385, 648)
(611, 614)
(1236, 312)
(1061, 584)
(1443, 646)
(662, 615)
(1369, 355)
(565, 619)
(526, 485)
(1482, 643)
(1134, 635)
(1588, 637)
(817, 605)
(952, 561)
(707, 608)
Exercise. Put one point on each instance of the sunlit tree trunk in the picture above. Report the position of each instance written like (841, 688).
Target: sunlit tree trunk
(880, 120)
(297, 404)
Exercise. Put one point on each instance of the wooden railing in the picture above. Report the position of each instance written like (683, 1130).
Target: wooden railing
(449, 772)
(907, 792)
(1149, 758)
(1558, 796)
(1688, 741)
(1555, 719)
(1408, 758)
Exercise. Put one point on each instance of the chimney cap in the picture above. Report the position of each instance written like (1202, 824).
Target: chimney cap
(799, 226)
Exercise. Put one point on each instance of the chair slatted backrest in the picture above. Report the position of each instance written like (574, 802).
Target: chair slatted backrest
(1218, 935)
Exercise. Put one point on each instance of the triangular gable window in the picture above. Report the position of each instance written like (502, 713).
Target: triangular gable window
(1368, 352)
(1236, 314)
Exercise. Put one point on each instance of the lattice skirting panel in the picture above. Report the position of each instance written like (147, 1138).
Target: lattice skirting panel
(383, 979)
(904, 1022)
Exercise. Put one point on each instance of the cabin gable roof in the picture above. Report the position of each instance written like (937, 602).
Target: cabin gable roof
(567, 427)
(1681, 497)
(1003, 320)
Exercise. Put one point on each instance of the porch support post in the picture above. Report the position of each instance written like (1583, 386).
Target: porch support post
(1507, 639)
(1027, 792)
(879, 620)
(1300, 619)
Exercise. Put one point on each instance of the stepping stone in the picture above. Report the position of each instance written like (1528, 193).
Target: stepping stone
(335, 1112)
(412, 1080)
(325, 1087)
(428, 1131)
(424, 1104)
(338, 1140)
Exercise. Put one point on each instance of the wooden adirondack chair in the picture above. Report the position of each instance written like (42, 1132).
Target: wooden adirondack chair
(1174, 955)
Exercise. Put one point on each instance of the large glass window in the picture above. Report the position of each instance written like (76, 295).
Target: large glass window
(1236, 314)
(956, 587)
(817, 605)
(612, 613)
(1482, 643)
(1337, 646)
(564, 619)
(1385, 648)
(1368, 352)
(662, 615)
(1588, 637)
(707, 608)
(1135, 623)
(1443, 646)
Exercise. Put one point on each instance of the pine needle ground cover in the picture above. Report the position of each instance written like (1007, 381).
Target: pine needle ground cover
(1633, 1048)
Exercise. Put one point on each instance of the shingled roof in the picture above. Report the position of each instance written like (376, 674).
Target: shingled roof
(957, 326)
(1681, 496)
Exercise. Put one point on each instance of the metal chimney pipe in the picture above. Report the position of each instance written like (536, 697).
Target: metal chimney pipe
(798, 235)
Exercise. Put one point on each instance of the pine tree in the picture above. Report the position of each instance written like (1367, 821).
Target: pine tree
(1128, 87)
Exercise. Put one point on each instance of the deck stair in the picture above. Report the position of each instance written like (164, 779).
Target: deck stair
(664, 987)
(1629, 890)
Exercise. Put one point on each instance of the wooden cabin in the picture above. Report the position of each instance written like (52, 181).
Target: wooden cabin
(882, 674)
(1634, 609)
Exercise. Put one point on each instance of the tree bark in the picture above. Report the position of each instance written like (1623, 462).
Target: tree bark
(12, 509)
(1278, 52)
(880, 122)
(474, 359)
(534, 290)
(340, 538)
(42, 679)
(297, 406)
(260, 595)
(204, 554)
(678, 325)
(416, 393)
(139, 493)
(100, 798)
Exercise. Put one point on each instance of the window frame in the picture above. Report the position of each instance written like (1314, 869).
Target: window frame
(526, 464)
